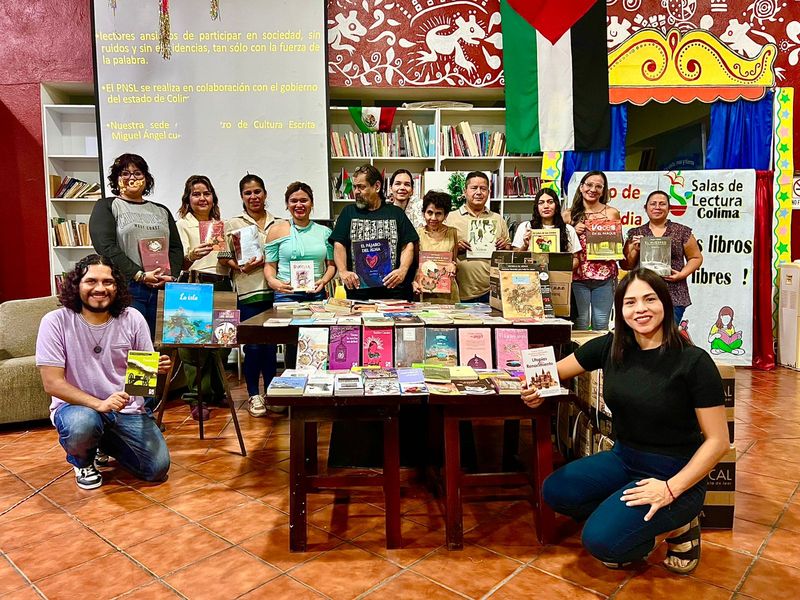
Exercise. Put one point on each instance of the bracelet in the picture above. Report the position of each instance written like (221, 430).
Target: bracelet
(666, 482)
(139, 277)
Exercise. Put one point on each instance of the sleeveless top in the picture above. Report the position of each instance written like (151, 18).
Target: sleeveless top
(593, 270)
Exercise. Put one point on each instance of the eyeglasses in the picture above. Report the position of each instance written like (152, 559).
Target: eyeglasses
(134, 174)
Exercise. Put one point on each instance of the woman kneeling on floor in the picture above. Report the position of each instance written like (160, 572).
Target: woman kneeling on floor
(667, 403)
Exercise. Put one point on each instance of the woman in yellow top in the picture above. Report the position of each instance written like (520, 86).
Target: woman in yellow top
(435, 236)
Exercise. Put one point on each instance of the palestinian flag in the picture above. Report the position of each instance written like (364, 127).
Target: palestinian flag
(556, 75)
(345, 183)
(373, 118)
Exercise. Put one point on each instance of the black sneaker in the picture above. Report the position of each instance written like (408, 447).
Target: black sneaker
(101, 458)
(88, 478)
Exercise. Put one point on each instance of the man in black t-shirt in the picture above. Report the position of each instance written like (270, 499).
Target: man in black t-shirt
(371, 219)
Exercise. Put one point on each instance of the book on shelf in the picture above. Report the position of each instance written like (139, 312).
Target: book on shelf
(376, 347)
(655, 254)
(406, 140)
(247, 244)
(433, 275)
(378, 372)
(372, 261)
(312, 348)
(409, 346)
(545, 240)
(482, 236)
(467, 318)
(69, 232)
(344, 346)
(320, 384)
(71, 187)
(154, 253)
(224, 326)
(188, 313)
(441, 346)
(509, 344)
(604, 240)
(213, 232)
(141, 373)
(475, 347)
(301, 275)
(348, 384)
(348, 320)
(540, 370)
(461, 141)
(287, 386)
(521, 186)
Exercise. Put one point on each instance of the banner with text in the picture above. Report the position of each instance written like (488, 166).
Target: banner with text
(243, 93)
(719, 207)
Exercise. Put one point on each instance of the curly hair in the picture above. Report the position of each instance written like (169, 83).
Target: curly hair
(186, 206)
(70, 296)
(440, 200)
(122, 162)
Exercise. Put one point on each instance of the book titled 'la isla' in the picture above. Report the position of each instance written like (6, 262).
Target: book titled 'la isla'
(540, 370)
(372, 261)
(188, 313)
(154, 253)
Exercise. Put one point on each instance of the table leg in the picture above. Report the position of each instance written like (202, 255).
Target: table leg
(174, 359)
(454, 526)
(198, 381)
(311, 448)
(229, 400)
(391, 480)
(543, 461)
(297, 484)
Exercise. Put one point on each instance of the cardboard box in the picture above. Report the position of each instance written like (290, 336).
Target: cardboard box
(728, 374)
(589, 385)
(559, 266)
(789, 315)
(719, 504)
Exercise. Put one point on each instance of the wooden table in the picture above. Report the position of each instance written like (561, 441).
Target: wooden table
(305, 414)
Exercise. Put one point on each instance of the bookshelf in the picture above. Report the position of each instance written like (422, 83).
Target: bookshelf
(486, 123)
(69, 136)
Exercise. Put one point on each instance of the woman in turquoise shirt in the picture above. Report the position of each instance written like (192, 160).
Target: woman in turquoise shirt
(298, 239)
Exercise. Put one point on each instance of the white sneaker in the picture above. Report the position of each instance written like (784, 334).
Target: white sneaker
(256, 406)
(88, 478)
(277, 409)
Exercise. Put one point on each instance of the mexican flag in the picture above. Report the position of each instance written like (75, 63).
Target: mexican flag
(556, 75)
(373, 118)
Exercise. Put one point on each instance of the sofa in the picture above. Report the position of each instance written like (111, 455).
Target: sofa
(22, 396)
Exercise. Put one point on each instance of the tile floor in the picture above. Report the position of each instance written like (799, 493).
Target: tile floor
(219, 527)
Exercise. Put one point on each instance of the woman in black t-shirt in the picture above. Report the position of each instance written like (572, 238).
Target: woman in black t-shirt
(667, 401)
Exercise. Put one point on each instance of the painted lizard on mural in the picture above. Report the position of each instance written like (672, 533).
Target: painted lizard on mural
(438, 43)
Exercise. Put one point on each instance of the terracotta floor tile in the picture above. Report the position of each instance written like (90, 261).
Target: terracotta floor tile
(656, 583)
(153, 591)
(745, 536)
(11, 485)
(58, 553)
(259, 482)
(225, 467)
(227, 574)
(512, 534)
(65, 491)
(784, 547)
(569, 560)
(533, 583)
(107, 505)
(138, 526)
(175, 549)
(273, 546)
(279, 499)
(411, 585)
(417, 542)
(10, 579)
(282, 588)
(206, 501)
(762, 485)
(791, 518)
(242, 522)
(24, 593)
(472, 571)
(179, 482)
(42, 470)
(22, 507)
(768, 580)
(344, 572)
(718, 565)
(757, 508)
(770, 466)
(83, 582)
(35, 528)
(348, 519)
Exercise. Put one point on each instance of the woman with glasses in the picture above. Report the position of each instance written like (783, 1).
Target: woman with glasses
(120, 222)
(592, 280)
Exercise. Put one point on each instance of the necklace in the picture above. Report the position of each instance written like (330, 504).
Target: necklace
(97, 347)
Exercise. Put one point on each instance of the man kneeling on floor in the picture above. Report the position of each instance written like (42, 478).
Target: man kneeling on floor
(81, 352)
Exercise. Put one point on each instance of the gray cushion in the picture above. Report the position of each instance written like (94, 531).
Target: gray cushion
(19, 324)
(23, 395)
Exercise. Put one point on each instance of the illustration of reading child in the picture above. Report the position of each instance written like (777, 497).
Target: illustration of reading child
(723, 336)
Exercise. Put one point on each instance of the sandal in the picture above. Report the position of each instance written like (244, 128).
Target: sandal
(616, 566)
(692, 537)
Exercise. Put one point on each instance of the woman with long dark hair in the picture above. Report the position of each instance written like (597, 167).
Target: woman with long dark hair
(547, 215)
(666, 399)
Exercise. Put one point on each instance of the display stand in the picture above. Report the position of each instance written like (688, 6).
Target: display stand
(222, 301)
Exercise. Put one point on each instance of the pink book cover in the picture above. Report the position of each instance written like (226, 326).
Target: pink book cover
(475, 347)
(343, 347)
(213, 232)
(377, 347)
(509, 344)
(155, 254)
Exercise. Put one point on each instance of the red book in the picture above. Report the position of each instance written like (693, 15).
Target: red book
(213, 232)
(377, 347)
(155, 255)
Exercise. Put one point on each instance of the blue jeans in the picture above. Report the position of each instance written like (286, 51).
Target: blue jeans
(259, 359)
(134, 440)
(678, 312)
(599, 295)
(145, 300)
(590, 488)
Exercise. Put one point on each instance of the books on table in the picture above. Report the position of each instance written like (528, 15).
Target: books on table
(545, 240)
(247, 244)
(377, 349)
(482, 237)
(433, 374)
(344, 346)
(655, 253)
(462, 373)
(521, 291)
(475, 347)
(604, 240)
(381, 386)
(312, 348)
(141, 373)
(475, 387)
(509, 344)
(320, 384)
(154, 253)
(188, 313)
(277, 322)
(224, 326)
(412, 381)
(286, 386)
(433, 276)
(348, 384)
(440, 346)
(213, 232)
(409, 346)
(540, 370)
(505, 385)
(301, 275)
(372, 261)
